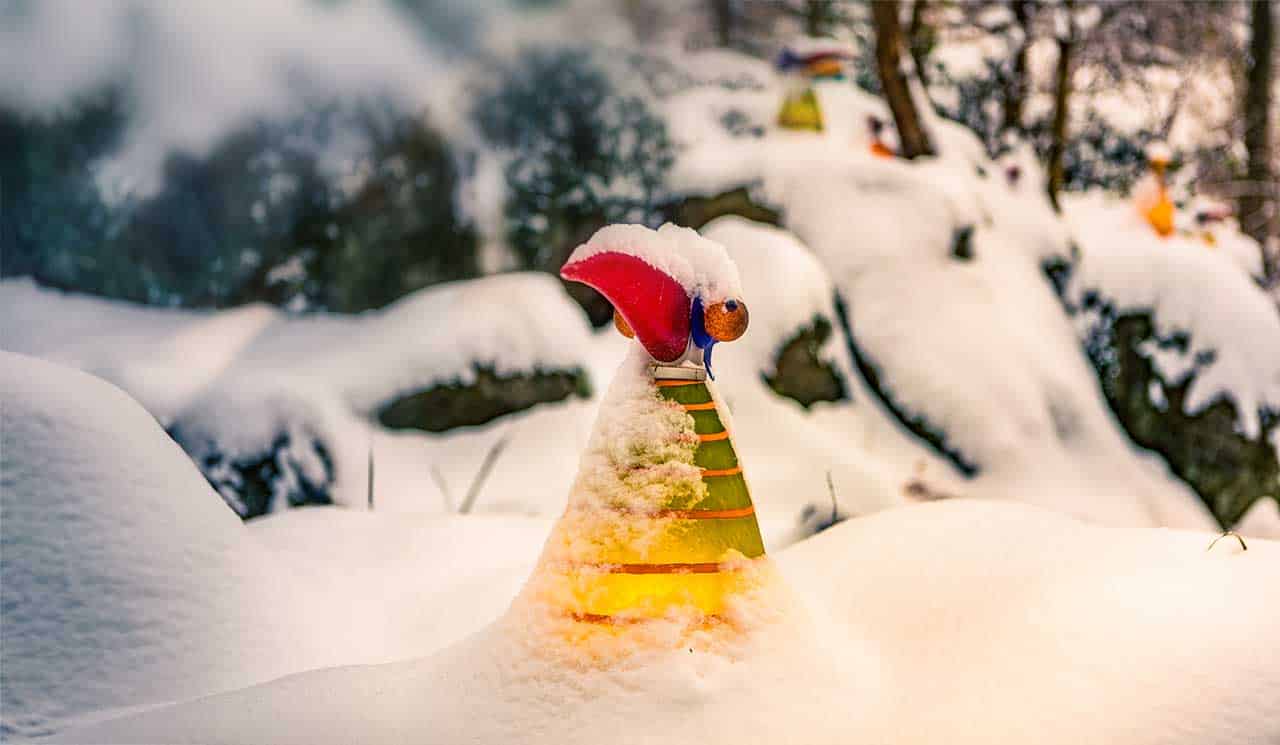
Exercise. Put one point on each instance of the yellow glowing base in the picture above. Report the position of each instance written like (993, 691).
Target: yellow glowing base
(624, 597)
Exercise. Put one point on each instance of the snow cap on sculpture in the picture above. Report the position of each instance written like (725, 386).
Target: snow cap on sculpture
(674, 291)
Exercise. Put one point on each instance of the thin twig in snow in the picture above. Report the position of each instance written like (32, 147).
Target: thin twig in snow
(489, 459)
(369, 485)
(831, 490)
(443, 486)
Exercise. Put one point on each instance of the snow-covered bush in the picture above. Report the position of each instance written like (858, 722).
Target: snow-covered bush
(1187, 349)
(973, 100)
(795, 347)
(1098, 155)
(581, 152)
(483, 397)
(279, 409)
(801, 373)
(262, 451)
(1208, 447)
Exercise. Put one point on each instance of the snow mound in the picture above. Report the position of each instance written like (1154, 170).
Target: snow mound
(787, 287)
(126, 581)
(395, 586)
(232, 384)
(510, 322)
(1007, 628)
(790, 451)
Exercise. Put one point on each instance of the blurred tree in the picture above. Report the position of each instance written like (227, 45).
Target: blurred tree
(267, 216)
(1016, 84)
(820, 17)
(725, 14)
(911, 133)
(399, 231)
(1254, 208)
(54, 224)
(920, 39)
(1065, 37)
(580, 154)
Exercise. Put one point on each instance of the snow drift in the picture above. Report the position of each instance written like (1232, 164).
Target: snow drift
(126, 581)
(1010, 625)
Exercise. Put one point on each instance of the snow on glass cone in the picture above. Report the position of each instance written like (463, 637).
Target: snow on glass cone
(660, 525)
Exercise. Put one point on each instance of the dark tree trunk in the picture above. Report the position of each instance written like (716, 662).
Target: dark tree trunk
(911, 133)
(919, 38)
(722, 13)
(1261, 189)
(1061, 97)
(1015, 87)
(819, 17)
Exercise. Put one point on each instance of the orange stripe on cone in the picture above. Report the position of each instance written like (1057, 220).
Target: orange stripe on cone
(706, 567)
(712, 472)
(725, 514)
(708, 514)
(715, 436)
(708, 406)
(608, 620)
(676, 383)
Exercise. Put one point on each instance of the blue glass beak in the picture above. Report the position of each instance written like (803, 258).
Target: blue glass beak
(701, 339)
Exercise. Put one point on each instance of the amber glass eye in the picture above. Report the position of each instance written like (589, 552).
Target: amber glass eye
(727, 320)
(623, 327)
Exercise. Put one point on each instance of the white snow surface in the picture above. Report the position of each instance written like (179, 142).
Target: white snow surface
(964, 621)
(125, 579)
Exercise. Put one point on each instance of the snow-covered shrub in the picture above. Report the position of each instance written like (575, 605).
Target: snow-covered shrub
(262, 451)
(1187, 350)
(914, 419)
(581, 151)
(974, 100)
(801, 374)
(792, 342)
(1099, 155)
(1207, 447)
(695, 211)
(485, 396)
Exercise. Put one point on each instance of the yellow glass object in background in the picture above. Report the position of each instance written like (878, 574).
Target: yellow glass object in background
(800, 111)
(1160, 217)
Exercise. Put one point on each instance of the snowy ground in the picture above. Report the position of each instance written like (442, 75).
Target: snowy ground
(107, 522)
(923, 615)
